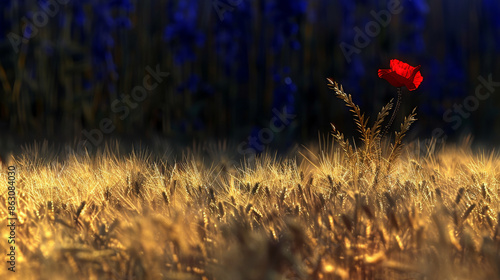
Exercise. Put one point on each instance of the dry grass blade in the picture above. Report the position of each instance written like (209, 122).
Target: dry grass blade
(359, 117)
(255, 189)
(377, 126)
(221, 209)
(166, 198)
(396, 147)
(376, 132)
(344, 144)
(460, 193)
(468, 211)
(79, 210)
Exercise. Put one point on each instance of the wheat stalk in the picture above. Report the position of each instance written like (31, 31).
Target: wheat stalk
(359, 118)
(397, 146)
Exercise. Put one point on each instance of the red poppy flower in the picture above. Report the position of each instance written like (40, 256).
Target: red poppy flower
(402, 74)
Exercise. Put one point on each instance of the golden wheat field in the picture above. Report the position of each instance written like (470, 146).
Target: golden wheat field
(313, 214)
(341, 209)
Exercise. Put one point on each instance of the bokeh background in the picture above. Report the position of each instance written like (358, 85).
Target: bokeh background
(231, 62)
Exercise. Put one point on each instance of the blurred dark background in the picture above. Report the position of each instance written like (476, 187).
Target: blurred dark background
(68, 67)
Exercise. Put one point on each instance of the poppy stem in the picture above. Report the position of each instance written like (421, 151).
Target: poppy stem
(398, 103)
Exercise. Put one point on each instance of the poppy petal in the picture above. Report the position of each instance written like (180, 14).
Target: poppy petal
(392, 77)
(382, 72)
(403, 69)
(402, 74)
(417, 80)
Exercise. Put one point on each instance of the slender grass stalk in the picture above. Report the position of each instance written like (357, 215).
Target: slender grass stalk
(396, 108)
(382, 134)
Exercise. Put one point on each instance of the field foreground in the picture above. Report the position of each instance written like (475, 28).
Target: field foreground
(310, 215)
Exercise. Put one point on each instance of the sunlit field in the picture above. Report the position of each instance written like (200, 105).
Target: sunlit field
(147, 216)
(250, 140)
(326, 211)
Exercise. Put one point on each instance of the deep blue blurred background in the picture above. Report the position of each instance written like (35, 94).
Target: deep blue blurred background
(65, 66)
